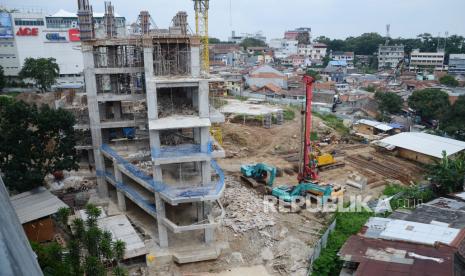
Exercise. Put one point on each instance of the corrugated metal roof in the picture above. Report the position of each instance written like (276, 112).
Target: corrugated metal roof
(381, 257)
(375, 124)
(121, 229)
(424, 143)
(36, 204)
(402, 230)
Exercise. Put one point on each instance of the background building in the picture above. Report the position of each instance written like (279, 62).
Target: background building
(457, 64)
(426, 60)
(38, 35)
(389, 56)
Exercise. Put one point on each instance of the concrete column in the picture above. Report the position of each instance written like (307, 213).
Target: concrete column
(159, 203)
(120, 194)
(204, 107)
(117, 110)
(197, 135)
(152, 101)
(195, 98)
(94, 116)
(209, 233)
(195, 61)
(206, 173)
(204, 138)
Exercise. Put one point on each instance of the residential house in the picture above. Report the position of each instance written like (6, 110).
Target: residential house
(266, 75)
(34, 210)
(348, 57)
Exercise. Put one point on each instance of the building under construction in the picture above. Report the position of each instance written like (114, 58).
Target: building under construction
(150, 118)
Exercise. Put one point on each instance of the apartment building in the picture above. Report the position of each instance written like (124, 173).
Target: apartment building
(457, 64)
(149, 119)
(315, 51)
(389, 56)
(426, 60)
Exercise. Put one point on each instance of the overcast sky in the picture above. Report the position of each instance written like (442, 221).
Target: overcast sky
(333, 18)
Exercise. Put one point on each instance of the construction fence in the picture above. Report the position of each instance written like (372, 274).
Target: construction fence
(320, 245)
(318, 107)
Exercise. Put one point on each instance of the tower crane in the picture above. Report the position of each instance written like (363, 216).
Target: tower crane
(201, 29)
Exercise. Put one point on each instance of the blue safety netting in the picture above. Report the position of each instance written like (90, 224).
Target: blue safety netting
(169, 191)
(140, 200)
(180, 150)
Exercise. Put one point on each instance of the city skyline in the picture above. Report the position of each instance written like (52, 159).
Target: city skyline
(334, 18)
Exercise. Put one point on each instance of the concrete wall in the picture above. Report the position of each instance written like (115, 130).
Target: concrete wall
(415, 156)
(40, 230)
(365, 129)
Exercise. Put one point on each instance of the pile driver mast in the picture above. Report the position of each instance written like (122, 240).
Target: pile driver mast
(308, 170)
(201, 29)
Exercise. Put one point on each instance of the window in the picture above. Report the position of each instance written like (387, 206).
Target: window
(29, 22)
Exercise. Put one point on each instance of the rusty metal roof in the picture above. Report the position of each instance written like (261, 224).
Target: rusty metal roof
(382, 257)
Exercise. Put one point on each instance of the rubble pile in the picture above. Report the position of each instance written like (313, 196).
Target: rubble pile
(168, 106)
(244, 209)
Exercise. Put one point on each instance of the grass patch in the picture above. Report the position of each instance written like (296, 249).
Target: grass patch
(333, 122)
(241, 98)
(411, 196)
(10, 94)
(347, 224)
(288, 114)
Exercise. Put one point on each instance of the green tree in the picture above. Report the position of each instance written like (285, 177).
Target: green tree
(2, 78)
(63, 215)
(448, 175)
(388, 102)
(44, 71)
(314, 74)
(252, 42)
(89, 249)
(430, 103)
(449, 81)
(213, 40)
(34, 142)
(454, 124)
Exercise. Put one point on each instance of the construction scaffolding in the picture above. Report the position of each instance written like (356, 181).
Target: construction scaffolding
(171, 59)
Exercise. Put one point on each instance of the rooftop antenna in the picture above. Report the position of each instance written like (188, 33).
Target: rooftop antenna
(388, 35)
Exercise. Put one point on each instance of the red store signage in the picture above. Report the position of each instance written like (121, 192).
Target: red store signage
(74, 35)
(28, 32)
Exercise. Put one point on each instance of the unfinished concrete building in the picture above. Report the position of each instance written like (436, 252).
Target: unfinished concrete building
(150, 119)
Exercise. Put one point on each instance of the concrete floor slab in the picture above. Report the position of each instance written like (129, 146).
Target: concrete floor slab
(176, 122)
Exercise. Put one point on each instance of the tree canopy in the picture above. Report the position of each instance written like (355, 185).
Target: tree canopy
(448, 175)
(430, 103)
(2, 78)
(449, 81)
(252, 42)
(44, 71)
(454, 124)
(389, 102)
(314, 74)
(367, 43)
(34, 142)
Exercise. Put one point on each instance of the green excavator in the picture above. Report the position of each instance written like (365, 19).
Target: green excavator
(258, 173)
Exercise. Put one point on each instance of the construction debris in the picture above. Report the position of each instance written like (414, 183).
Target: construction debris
(243, 211)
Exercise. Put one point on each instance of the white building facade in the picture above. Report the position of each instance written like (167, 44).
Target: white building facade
(426, 60)
(37, 35)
